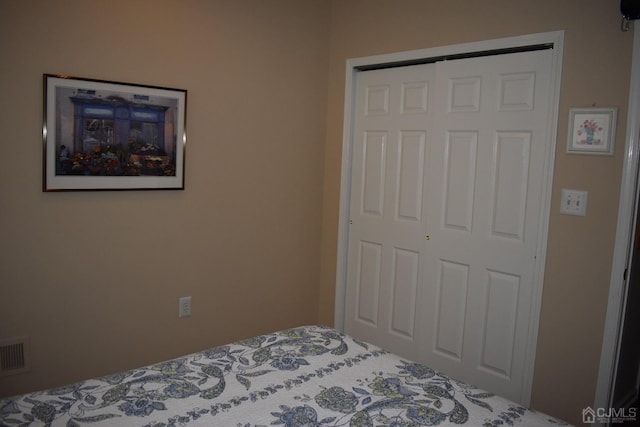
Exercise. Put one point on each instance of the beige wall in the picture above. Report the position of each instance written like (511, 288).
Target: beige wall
(596, 71)
(94, 278)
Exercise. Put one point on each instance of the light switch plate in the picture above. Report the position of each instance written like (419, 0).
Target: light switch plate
(573, 202)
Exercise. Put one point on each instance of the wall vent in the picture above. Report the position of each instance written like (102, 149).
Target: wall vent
(14, 356)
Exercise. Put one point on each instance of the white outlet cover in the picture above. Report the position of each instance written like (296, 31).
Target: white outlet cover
(184, 307)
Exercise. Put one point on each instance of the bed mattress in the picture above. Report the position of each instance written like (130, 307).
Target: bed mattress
(311, 376)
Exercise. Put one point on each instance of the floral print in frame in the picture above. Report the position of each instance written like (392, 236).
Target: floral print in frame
(592, 131)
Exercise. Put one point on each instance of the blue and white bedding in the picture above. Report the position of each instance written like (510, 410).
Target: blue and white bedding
(311, 376)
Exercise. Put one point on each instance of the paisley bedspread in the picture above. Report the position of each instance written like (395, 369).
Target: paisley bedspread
(310, 376)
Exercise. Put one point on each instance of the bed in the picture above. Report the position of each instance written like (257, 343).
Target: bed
(312, 376)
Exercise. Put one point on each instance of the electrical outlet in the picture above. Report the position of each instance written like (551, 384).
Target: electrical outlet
(184, 307)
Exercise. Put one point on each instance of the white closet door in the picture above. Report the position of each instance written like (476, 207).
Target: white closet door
(387, 201)
(446, 193)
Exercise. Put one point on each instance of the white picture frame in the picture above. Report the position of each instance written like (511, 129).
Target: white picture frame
(592, 131)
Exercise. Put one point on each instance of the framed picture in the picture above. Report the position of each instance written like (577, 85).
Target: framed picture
(103, 135)
(592, 131)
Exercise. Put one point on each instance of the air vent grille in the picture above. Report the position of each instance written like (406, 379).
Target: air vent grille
(14, 356)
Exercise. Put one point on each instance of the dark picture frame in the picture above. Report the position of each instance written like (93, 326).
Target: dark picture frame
(106, 135)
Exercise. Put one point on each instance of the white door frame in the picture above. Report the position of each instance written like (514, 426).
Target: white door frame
(624, 232)
(556, 39)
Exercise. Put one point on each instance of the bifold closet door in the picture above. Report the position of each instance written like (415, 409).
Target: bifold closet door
(446, 187)
(387, 201)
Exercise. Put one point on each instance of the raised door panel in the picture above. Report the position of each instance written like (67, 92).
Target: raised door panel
(459, 180)
(368, 282)
(499, 326)
(451, 311)
(511, 179)
(373, 153)
(406, 267)
(410, 176)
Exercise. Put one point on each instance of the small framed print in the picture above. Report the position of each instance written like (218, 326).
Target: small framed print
(592, 131)
(105, 135)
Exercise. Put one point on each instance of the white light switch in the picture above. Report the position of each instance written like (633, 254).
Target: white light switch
(573, 202)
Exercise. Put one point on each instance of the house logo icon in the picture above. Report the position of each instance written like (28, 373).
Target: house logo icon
(588, 415)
